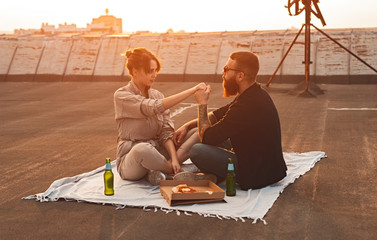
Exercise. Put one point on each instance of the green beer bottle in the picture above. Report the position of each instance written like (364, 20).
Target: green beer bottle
(230, 179)
(108, 177)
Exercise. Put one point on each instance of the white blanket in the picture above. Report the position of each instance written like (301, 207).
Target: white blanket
(251, 204)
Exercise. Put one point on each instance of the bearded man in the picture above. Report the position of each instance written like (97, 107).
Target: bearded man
(246, 130)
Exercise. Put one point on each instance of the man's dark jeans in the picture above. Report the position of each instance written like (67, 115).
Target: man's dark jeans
(213, 159)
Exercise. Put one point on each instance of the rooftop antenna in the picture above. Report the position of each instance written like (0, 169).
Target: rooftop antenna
(295, 7)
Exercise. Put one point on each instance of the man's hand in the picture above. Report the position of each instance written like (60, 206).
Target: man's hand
(202, 96)
(179, 135)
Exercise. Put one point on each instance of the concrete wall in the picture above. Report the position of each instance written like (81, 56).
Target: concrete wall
(8, 49)
(82, 59)
(54, 60)
(202, 56)
(364, 44)
(173, 53)
(25, 59)
(189, 56)
(110, 62)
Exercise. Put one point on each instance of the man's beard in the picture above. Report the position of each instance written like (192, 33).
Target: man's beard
(230, 87)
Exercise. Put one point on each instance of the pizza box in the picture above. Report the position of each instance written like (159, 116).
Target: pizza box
(207, 191)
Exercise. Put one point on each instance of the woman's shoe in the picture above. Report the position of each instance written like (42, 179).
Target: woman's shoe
(154, 177)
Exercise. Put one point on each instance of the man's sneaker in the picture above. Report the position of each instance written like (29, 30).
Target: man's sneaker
(190, 168)
(195, 176)
(154, 177)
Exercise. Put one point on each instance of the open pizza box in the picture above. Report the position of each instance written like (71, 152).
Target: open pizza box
(206, 191)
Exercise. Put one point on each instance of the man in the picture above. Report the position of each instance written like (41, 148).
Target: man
(250, 123)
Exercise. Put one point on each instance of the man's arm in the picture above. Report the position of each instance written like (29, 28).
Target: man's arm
(203, 120)
(180, 133)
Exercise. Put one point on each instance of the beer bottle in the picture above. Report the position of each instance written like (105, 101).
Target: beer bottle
(108, 177)
(230, 179)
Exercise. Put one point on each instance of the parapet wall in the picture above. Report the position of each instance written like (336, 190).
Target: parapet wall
(189, 56)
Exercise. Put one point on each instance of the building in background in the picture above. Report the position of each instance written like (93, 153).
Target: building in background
(105, 24)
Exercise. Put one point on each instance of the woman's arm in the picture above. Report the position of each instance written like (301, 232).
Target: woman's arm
(130, 105)
(173, 100)
(169, 145)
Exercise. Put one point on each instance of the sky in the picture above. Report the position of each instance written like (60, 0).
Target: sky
(190, 16)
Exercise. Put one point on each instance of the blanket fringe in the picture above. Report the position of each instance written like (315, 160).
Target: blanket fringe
(145, 208)
(179, 212)
(188, 214)
(264, 221)
(42, 198)
(119, 206)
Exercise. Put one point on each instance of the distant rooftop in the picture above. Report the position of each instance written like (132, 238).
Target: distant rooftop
(105, 24)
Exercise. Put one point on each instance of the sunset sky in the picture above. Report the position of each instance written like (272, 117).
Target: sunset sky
(191, 16)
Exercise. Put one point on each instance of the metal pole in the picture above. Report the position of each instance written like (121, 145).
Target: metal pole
(308, 11)
(286, 54)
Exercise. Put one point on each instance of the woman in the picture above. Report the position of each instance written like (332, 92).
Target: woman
(145, 146)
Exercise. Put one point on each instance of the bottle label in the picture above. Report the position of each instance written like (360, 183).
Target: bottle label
(108, 166)
(230, 167)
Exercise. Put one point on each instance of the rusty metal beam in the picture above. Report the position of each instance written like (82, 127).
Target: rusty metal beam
(285, 55)
(308, 12)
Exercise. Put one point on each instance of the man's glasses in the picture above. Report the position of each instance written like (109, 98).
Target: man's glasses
(226, 68)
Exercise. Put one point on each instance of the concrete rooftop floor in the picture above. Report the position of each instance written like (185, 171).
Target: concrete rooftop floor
(54, 130)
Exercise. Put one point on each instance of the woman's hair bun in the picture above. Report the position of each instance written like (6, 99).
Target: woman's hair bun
(128, 53)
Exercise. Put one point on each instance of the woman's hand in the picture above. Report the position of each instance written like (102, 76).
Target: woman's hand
(176, 166)
(173, 100)
(200, 86)
(179, 135)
